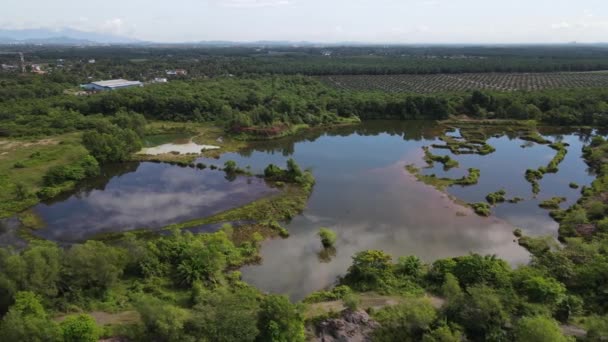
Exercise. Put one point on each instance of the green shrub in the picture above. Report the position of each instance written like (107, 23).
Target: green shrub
(80, 328)
(328, 237)
(352, 301)
(496, 197)
(481, 208)
(552, 203)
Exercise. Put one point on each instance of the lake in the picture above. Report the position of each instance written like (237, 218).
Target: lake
(363, 192)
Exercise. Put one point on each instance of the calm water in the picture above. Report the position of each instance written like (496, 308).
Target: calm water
(366, 196)
(145, 195)
(363, 193)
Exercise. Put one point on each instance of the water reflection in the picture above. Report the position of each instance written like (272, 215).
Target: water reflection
(362, 192)
(365, 195)
(151, 196)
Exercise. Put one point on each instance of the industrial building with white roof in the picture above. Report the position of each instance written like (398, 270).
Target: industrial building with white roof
(111, 85)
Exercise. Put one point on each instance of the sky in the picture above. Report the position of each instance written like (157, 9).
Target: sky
(374, 21)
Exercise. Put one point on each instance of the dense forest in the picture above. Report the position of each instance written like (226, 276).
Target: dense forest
(38, 105)
(145, 63)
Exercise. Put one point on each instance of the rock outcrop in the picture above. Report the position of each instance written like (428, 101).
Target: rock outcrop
(352, 326)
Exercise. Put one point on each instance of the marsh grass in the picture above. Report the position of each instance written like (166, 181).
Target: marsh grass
(18, 186)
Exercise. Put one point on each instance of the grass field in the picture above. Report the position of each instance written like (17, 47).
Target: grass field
(25, 162)
(463, 82)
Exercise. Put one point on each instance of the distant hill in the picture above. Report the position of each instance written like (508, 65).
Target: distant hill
(64, 36)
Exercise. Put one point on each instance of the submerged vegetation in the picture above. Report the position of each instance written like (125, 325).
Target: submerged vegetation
(533, 176)
(328, 237)
(481, 208)
(441, 183)
(552, 203)
(465, 146)
(430, 158)
(496, 197)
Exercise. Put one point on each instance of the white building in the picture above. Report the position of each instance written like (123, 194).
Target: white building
(111, 85)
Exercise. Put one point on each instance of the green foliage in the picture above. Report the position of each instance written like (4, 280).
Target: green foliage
(352, 301)
(280, 320)
(273, 172)
(496, 197)
(336, 293)
(36, 269)
(94, 266)
(28, 321)
(443, 334)
(328, 237)
(481, 208)
(111, 143)
(552, 203)
(370, 270)
(470, 179)
(481, 313)
(475, 269)
(538, 328)
(225, 316)
(163, 322)
(543, 290)
(448, 163)
(405, 322)
(293, 174)
(60, 174)
(410, 266)
(451, 289)
(80, 328)
(597, 328)
(230, 166)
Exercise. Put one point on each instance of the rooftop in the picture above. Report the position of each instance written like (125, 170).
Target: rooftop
(116, 83)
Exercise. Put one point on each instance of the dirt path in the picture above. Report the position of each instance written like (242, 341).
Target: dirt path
(368, 300)
(108, 318)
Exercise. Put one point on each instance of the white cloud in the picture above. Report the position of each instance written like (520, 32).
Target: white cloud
(562, 25)
(254, 3)
(116, 26)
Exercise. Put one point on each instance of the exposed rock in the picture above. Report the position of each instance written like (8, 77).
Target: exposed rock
(353, 326)
(585, 229)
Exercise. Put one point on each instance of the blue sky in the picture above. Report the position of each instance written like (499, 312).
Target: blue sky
(399, 21)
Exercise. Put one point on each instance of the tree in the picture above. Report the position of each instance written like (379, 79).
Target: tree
(225, 316)
(538, 329)
(451, 288)
(42, 268)
(94, 265)
(201, 263)
(543, 290)
(480, 312)
(328, 237)
(293, 170)
(230, 166)
(273, 172)
(370, 270)
(111, 144)
(280, 321)
(163, 322)
(443, 334)
(476, 269)
(410, 266)
(80, 328)
(27, 320)
(405, 322)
